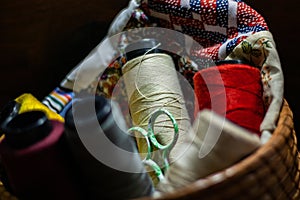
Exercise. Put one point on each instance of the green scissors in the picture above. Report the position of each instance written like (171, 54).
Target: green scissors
(152, 142)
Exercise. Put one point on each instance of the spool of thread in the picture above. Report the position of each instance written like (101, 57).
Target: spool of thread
(238, 87)
(35, 158)
(100, 180)
(140, 47)
(232, 145)
(151, 82)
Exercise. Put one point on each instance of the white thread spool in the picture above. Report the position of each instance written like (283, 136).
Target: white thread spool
(233, 144)
(151, 82)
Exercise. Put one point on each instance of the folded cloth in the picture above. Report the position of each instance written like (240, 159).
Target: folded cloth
(96, 62)
(217, 25)
(214, 144)
(29, 103)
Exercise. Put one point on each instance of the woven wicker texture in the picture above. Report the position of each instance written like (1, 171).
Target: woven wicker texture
(272, 172)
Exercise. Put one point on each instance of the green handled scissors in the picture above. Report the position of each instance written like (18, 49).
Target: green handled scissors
(152, 142)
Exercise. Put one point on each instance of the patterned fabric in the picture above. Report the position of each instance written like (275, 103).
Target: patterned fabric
(217, 25)
(110, 77)
(58, 99)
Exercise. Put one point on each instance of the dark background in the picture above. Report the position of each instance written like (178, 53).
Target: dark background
(42, 40)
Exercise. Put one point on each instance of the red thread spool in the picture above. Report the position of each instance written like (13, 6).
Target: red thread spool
(233, 91)
(35, 158)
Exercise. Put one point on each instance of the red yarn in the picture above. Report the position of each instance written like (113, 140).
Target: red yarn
(233, 91)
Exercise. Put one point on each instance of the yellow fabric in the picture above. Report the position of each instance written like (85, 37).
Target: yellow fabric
(29, 103)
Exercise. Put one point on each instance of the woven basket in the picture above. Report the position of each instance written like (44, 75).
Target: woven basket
(272, 172)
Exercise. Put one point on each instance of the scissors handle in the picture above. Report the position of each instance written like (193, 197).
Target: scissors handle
(151, 133)
(147, 160)
(167, 147)
(151, 139)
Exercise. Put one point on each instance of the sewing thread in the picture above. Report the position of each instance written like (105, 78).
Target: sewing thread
(151, 83)
(243, 91)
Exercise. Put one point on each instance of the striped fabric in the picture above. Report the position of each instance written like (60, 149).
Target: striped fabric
(217, 25)
(58, 99)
